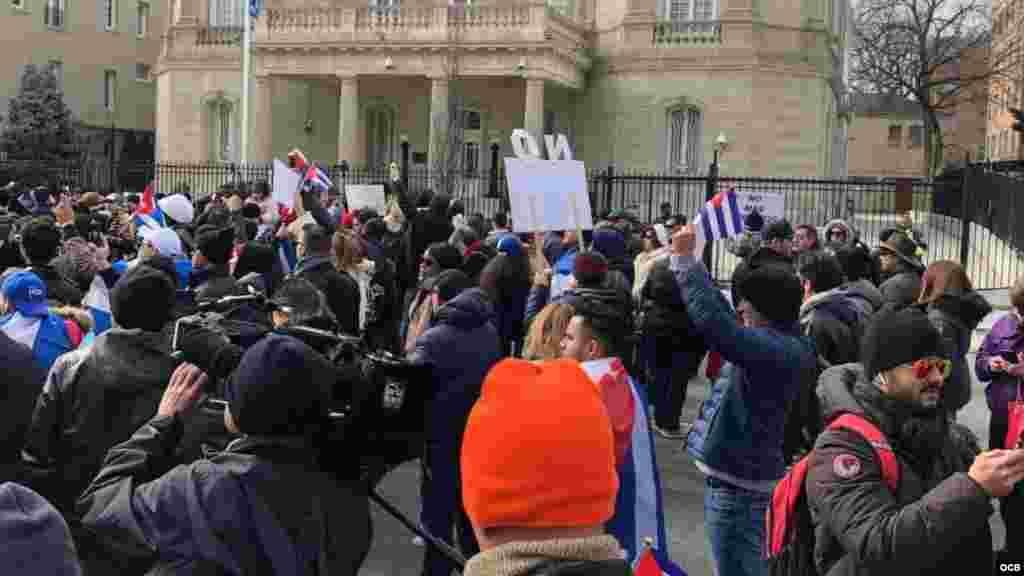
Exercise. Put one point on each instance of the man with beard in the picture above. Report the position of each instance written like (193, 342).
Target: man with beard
(936, 521)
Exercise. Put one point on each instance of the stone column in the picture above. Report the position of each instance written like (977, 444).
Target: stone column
(438, 123)
(261, 116)
(350, 134)
(533, 121)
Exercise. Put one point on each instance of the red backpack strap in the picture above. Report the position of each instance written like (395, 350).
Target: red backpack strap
(875, 437)
(782, 509)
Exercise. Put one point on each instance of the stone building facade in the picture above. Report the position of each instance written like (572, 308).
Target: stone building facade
(644, 84)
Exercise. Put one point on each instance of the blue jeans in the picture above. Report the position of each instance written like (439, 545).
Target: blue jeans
(734, 520)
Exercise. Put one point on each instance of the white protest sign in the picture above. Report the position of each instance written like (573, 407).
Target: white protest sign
(286, 181)
(770, 206)
(546, 194)
(361, 196)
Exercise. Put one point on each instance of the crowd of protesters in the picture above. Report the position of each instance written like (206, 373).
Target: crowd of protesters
(548, 357)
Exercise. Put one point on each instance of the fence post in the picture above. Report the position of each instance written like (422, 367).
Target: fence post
(965, 218)
(609, 174)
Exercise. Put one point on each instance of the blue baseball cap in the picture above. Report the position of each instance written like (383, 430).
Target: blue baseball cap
(26, 292)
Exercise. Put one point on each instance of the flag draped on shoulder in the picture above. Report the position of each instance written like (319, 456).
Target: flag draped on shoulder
(148, 213)
(639, 514)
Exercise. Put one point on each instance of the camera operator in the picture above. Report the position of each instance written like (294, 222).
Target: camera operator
(264, 506)
(96, 396)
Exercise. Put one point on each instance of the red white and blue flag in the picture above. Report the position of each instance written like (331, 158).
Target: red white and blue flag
(720, 217)
(148, 212)
(317, 179)
(639, 522)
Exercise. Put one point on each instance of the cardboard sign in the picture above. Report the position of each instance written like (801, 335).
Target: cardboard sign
(286, 181)
(361, 196)
(543, 194)
(770, 206)
(548, 195)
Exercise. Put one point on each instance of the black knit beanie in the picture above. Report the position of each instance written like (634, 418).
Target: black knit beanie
(775, 293)
(143, 298)
(897, 338)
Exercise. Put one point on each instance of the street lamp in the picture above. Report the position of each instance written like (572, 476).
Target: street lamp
(721, 144)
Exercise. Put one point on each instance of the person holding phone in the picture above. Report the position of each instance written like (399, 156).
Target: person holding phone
(1000, 363)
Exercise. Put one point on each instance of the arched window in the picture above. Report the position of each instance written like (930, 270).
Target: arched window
(684, 138)
(221, 114)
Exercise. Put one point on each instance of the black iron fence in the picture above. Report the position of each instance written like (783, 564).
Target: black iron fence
(990, 248)
(980, 208)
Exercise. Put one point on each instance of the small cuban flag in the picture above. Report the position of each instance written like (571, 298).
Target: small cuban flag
(317, 179)
(719, 218)
(649, 564)
(148, 213)
(97, 301)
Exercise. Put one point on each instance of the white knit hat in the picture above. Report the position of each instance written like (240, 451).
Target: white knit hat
(178, 208)
(164, 240)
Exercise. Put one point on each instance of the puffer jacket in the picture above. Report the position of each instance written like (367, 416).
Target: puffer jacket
(263, 506)
(935, 523)
(1005, 340)
(836, 320)
(956, 317)
(93, 398)
(460, 347)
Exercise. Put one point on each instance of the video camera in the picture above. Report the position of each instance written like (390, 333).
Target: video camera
(378, 407)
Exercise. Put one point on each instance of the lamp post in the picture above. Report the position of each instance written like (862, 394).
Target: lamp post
(721, 144)
(495, 166)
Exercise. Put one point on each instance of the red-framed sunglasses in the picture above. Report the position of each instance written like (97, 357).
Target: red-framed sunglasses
(923, 367)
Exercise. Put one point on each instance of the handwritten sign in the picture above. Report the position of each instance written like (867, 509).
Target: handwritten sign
(286, 181)
(546, 194)
(361, 196)
(770, 206)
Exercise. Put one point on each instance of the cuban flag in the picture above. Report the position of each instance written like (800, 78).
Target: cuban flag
(148, 213)
(97, 302)
(649, 564)
(639, 521)
(317, 179)
(719, 218)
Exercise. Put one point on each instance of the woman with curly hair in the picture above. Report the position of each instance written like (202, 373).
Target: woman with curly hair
(544, 339)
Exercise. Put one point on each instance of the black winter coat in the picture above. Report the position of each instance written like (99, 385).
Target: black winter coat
(93, 399)
(935, 523)
(341, 291)
(664, 312)
(956, 317)
(901, 289)
(264, 506)
(23, 379)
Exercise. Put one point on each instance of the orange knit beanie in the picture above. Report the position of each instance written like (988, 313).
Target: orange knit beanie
(538, 449)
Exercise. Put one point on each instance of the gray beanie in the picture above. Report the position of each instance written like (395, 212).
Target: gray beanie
(34, 538)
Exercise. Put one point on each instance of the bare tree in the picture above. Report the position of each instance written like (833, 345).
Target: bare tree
(939, 53)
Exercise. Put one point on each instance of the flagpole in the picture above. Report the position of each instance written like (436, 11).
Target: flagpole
(246, 40)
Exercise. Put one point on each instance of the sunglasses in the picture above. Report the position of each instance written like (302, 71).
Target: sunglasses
(922, 368)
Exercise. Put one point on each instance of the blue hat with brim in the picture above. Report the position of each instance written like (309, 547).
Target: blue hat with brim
(26, 292)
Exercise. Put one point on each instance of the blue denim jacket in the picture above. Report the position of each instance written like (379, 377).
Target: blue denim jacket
(740, 428)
